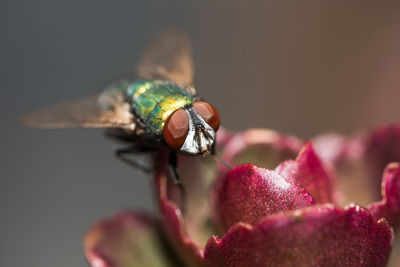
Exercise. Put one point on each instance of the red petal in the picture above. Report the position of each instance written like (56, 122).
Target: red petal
(248, 193)
(126, 240)
(315, 236)
(307, 170)
(389, 206)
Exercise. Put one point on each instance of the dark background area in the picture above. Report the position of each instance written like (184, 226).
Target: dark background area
(297, 67)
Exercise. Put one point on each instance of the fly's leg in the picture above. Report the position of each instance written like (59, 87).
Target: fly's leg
(122, 154)
(173, 165)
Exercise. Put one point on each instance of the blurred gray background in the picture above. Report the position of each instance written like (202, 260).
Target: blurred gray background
(300, 67)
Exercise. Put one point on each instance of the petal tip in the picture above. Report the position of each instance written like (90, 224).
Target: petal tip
(248, 193)
(309, 171)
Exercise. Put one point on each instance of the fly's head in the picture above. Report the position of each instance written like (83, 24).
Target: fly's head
(192, 129)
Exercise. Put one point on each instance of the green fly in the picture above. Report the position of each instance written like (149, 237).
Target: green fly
(156, 107)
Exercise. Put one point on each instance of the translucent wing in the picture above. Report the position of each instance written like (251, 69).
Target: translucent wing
(85, 112)
(168, 57)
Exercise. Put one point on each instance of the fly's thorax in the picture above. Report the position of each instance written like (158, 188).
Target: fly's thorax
(146, 94)
(154, 101)
(164, 109)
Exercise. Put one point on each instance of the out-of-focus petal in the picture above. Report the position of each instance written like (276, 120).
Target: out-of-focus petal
(127, 240)
(223, 136)
(248, 193)
(308, 171)
(174, 227)
(315, 236)
(187, 227)
(183, 240)
(389, 206)
(332, 148)
(343, 156)
(265, 148)
(360, 160)
(382, 146)
(394, 260)
(197, 175)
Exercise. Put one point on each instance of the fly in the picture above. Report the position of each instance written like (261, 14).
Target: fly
(155, 108)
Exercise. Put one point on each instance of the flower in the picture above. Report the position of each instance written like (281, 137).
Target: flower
(285, 203)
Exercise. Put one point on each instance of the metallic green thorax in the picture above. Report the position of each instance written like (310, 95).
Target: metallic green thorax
(152, 101)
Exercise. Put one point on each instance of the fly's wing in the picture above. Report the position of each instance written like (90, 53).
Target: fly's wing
(168, 57)
(81, 113)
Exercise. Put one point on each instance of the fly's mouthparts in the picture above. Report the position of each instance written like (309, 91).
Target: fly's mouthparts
(200, 136)
(203, 138)
(207, 134)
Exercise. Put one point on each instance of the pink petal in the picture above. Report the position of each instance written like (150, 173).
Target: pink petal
(265, 148)
(389, 206)
(315, 236)
(308, 171)
(248, 193)
(128, 239)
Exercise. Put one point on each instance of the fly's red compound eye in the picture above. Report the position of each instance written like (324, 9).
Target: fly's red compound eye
(208, 113)
(176, 129)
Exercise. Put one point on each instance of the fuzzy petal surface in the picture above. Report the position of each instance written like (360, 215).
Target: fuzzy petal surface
(248, 193)
(314, 236)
